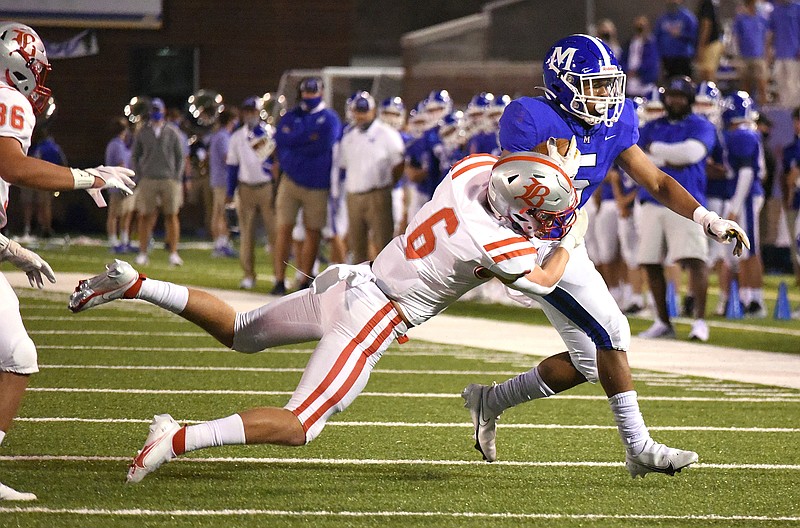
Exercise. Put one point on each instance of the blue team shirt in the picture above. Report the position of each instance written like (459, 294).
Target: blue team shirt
(118, 153)
(484, 142)
(684, 44)
(784, 22)
(743, 149)
(48, 150)
(751, 35)
(719, 188)
(305, 145)
(528, 121)
(217, 157)
(691, 177)
(423, 153)
(791, 158)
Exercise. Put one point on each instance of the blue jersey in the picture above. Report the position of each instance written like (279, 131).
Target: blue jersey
(716, 187)
(422, 153)
(791, 159)
(484, 142)
(691, 177)
(305, 145)
(528, 121)
(743, 149)
(48, 150)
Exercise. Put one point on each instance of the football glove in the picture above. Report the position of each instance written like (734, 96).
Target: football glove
(721, 230)
(571, 161)
(574, 236)
(113, 178)
(26, 260)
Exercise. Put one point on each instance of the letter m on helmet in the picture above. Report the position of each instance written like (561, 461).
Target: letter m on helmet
(561, 59)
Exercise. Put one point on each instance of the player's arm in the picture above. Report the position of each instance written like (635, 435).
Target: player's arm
(18, 169)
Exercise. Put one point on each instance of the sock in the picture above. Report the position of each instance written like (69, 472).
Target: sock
(124, 237)
(630, 423)
(224, 431)
(519, 389)
(113, 241)
(220, 242)
(2, 436)
(745, 295)
(167, 295)
(757, 296)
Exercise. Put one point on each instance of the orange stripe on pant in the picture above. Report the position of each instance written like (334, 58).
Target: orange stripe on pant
(342, 359)
(354, 374)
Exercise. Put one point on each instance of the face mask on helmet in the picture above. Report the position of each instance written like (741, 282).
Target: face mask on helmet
(583, 76)
(24, 65)
(533, 194)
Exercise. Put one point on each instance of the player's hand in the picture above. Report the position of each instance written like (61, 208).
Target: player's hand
(114, 178)
(721, 230)
(26, 260)
(574, 236)
(571, 161)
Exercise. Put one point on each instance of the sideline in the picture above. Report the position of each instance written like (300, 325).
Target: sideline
(674, 356)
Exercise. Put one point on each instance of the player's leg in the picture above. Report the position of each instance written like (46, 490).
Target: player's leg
(356, 326)
(17, 363)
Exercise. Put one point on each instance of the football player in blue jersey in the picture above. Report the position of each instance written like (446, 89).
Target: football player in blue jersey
(585, 97)
(744, 161)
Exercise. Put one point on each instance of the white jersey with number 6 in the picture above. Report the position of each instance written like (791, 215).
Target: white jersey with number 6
(16, 121)
(435, 261)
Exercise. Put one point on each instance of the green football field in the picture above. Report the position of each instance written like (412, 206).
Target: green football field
(401, 455)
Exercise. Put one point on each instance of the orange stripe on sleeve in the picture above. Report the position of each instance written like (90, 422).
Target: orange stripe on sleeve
(505, 242)
(512, 254)
(471, 166)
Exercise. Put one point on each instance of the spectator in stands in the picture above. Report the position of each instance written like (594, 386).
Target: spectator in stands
(250, 169)
(120, 206)
(371, 157)
(640, 59)
(218, 176)
(676, 37)
(709, 40)
(678, 144)
(305, 137)
(784, 38)
(158, 158)
(750, 32)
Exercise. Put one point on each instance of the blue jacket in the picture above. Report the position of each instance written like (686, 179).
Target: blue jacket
(305, 146)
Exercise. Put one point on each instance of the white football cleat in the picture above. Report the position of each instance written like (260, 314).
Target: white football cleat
(9, 493)
(485, 423)
(118, 280)
(700, 331)
(175, 259)
(658, 458)
(659, 330)
(157, 448)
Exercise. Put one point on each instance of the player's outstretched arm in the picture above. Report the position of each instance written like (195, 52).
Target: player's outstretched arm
(18, 169)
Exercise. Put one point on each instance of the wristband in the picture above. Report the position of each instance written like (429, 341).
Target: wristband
(699, 214)
(82, 178)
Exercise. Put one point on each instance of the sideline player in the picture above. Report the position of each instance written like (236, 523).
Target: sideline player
(585, 97)
(23, 68)
(475, 228)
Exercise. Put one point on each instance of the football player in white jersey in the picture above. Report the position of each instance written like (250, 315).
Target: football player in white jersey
(23, 68)
(476, 227)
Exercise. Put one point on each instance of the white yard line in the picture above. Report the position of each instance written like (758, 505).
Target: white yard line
(680, 357)
(765, 399)
(388, 514)
(380, 462)
(434, 425)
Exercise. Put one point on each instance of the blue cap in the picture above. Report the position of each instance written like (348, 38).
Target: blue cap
(311, 84)
(364, 102)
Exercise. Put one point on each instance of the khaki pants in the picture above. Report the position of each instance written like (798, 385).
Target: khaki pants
(370, 220)
(254, 200)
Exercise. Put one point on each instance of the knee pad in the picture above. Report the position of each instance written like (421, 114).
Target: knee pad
(21, 357)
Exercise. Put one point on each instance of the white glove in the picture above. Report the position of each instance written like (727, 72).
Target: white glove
(721, 230)
(32, 264)
(113, 178)
(571, 161)
(574, 236)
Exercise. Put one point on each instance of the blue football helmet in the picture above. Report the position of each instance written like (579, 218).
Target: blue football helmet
(418, 121)
(707, 101)
(451, 129)
(578, 67)
(739, 107)
(392, 111)
(680, 85)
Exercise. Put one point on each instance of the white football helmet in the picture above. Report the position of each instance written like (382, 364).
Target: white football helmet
(23, 63)
(533, 192)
